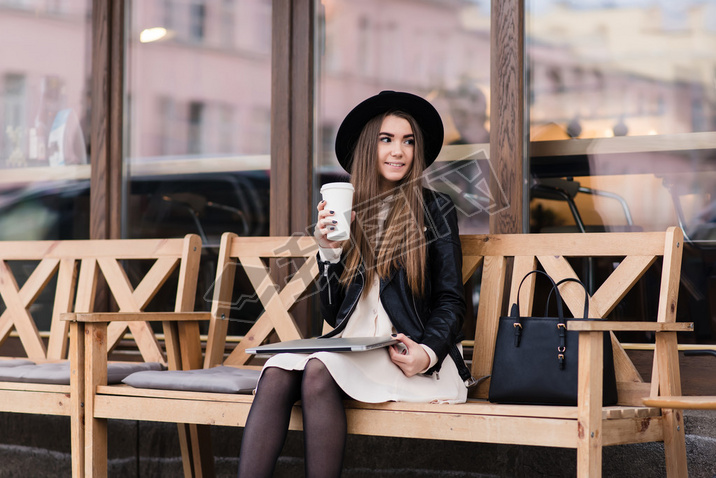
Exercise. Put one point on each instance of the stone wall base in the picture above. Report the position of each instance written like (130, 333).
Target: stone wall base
(38, 446)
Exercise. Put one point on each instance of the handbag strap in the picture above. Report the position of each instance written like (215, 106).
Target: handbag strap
(556, 288)
(561, 326)
(515, 311)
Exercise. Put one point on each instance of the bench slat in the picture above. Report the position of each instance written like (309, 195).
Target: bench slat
(34, 387)
(141, 248)
(633, 430)
(572, 244)
(472, 407)
(33, 400)
(135, 316)
(603, 325)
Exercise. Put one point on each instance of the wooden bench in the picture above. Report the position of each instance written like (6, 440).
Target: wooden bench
(504, 260)
(72, 269)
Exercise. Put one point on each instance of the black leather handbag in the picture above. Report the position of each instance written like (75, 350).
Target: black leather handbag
(536, 358)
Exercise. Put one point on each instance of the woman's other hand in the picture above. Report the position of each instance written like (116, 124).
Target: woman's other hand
(409, 355)
(325, 224)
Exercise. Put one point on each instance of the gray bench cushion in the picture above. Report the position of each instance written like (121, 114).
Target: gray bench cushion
(15, 362)
(221, 379)
(59, 373)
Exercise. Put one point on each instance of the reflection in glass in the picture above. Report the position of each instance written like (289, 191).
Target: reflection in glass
(622, 119)
(44, 120)
(439, 50)
(637, 78)
(197, 134)
(620, 68)
(198, 118)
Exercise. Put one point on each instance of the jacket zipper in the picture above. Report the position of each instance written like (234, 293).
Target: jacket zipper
(342, 325)
(326, 264)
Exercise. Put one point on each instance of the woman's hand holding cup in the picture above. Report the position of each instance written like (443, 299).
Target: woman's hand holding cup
(327, 223)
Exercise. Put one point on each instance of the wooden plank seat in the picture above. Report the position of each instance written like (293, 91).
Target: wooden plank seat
(504, 260)
(40, 280)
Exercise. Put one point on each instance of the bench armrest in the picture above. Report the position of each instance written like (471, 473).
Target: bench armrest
(99, 317)
(688, 402)
(606, 326)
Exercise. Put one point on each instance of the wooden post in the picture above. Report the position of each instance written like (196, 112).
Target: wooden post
(106, 119)
(280, 199)
(302, 115)
(292, 128)
(589, 414)
(77, 398)
(667, 355)
(507, 126)
(291, 117)
(666, 360)
(95, 341)
(116, 114)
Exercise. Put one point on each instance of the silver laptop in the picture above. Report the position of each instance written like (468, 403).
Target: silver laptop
(339, 344)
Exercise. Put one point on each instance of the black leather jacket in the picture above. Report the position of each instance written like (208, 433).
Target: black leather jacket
(435, 319)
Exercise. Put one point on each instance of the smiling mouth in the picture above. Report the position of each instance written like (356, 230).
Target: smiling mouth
(395, 165)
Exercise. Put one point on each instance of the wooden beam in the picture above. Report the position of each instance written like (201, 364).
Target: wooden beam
(507, 126)
(116, 112)
(99, 136)
(302, 120)
(292, 124)
(302, 115)
(292, 83)
(281, 153)
(106, 157)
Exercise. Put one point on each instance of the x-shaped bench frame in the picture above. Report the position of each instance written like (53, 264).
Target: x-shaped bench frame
(18, 301)
(277, 302)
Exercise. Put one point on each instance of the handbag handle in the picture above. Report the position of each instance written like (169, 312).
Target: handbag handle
(515, 311)
(556, 287)
(561, 326)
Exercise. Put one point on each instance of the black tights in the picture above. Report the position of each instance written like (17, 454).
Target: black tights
(324, 421)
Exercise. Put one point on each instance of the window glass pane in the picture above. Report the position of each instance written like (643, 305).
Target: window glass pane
(197, 134)
(622, 119)
(198, 118)
(44, 119)
(605, 68)
(436, 49)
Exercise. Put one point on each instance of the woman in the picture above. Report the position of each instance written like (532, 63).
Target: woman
(399, 274)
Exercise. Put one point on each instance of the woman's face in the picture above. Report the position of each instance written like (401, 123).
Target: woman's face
(396, 146)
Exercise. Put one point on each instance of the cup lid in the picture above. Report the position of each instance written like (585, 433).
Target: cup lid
(337, 186)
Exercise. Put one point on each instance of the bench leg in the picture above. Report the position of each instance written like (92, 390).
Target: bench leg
(589, 415)
(674, 443)
(589, 461)
(96, 448)
(197, 457)
(95, 374)
(77, 396)
(669, 378)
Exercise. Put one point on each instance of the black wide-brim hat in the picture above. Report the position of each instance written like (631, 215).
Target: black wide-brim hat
(425, 115)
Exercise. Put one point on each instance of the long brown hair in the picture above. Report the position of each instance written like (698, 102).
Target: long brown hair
(401, 240)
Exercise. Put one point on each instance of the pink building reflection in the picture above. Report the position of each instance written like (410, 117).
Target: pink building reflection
(201, 91)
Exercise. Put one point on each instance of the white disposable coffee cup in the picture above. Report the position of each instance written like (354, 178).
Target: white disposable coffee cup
(339, 199)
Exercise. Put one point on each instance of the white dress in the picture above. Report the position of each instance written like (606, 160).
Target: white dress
(371, 376)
